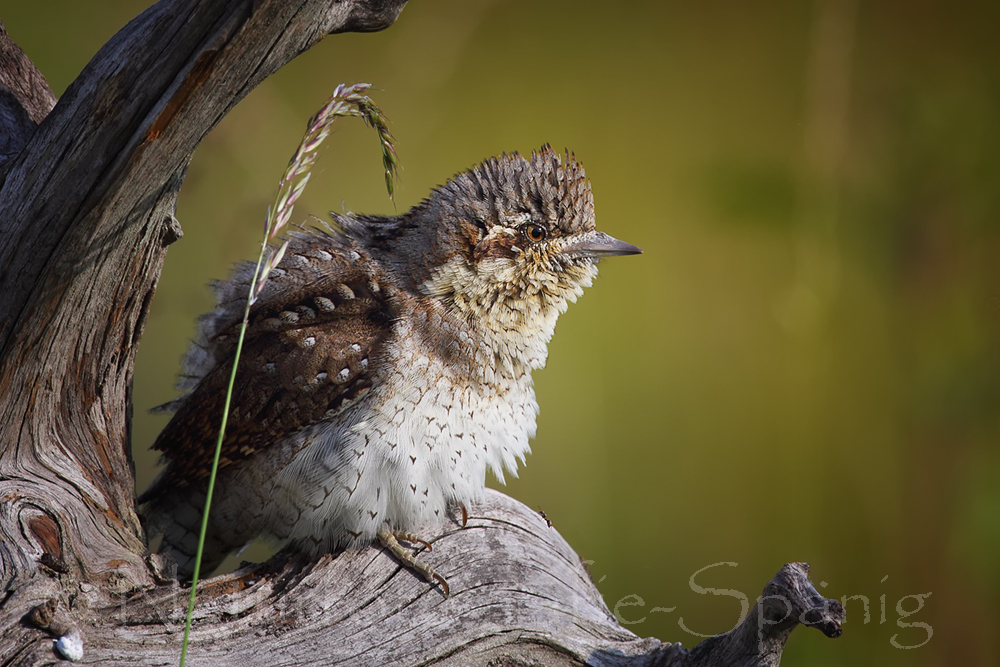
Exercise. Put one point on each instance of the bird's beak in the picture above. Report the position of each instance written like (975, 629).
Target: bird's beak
(598, 244)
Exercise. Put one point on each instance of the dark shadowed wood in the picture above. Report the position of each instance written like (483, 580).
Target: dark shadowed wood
(87, 199)
(25, 98)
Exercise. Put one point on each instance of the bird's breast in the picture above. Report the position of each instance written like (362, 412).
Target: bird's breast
(420, 440)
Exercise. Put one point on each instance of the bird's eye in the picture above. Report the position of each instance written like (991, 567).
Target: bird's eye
(533, 232)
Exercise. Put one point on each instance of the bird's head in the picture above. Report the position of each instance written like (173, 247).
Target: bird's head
(505, 245)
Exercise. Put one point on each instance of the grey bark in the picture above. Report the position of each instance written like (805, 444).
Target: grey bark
(86, 214)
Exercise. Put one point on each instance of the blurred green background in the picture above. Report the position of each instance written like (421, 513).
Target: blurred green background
(804, 365)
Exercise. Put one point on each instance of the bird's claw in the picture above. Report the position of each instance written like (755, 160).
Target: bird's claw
(390, 540)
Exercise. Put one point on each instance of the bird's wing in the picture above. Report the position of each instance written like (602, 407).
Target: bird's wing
(314, 337)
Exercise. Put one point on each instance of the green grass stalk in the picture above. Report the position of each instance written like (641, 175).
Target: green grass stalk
(345, 101)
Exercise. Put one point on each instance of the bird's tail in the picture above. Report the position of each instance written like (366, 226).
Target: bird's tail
(177, 515)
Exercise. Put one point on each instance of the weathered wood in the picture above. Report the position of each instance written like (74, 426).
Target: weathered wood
(518, 591)
(25, 98)
(86, 215)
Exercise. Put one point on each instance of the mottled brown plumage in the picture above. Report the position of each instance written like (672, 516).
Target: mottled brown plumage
(387, 365)
(328, 316)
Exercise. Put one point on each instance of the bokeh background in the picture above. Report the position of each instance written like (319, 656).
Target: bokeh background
(804, 364)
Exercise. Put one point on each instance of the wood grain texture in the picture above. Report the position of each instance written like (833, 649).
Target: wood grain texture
(86, 215)
(519, 595)
(25, 98)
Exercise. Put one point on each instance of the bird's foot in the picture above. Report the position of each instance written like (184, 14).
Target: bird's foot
(465, 516)
(411, 538)
(390, 540)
